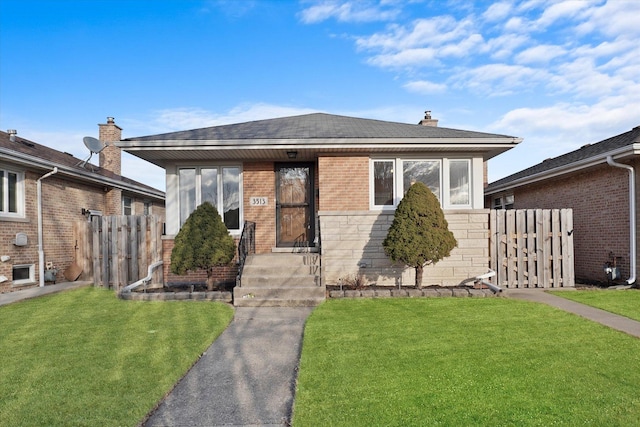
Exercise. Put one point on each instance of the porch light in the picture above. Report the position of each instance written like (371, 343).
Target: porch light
(292, 154)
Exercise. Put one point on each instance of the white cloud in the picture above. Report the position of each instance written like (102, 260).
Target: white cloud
(503, 46)
(561, 10)
(432, 32)
(425, 87)
(499, 79)
(540, 54)
(350, 11)
(613, 18)
(497, 11)
(404, 58)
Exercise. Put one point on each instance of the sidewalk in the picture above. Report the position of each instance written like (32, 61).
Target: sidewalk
(246, 377)
(11, 297)
(614, 321)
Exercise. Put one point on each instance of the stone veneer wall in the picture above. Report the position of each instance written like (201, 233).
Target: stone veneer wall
(352, 245)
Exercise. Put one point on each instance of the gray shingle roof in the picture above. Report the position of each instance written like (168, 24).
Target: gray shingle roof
(52, 157)
(315, 126)
(584, 153)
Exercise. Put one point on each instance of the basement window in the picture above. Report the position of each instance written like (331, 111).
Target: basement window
(24, 274)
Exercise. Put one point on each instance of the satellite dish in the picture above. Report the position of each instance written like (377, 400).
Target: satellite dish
(94, 146)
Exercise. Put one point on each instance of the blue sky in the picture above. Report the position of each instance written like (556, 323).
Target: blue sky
(559, 74)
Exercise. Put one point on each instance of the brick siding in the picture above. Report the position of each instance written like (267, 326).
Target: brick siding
(62, 203)
(343, 183)
(259, 181)
(599, 198)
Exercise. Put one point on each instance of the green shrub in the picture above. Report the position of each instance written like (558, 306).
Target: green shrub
(202, 243)
(419, 234)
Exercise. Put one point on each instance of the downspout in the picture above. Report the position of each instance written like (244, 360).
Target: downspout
(40, 244)
(632, 216)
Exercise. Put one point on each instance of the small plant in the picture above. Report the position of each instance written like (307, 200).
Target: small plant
(353, 282)
(419, 234)
(203, 242)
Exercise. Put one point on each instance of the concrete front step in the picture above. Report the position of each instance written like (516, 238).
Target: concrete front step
(272, 281)
(280, 279)
(278, 297)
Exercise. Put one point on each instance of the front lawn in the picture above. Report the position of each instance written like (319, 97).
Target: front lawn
(623, 302)
(455, 362)
(86, 358)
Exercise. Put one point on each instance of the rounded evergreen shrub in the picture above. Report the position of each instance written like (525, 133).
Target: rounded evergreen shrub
(202, 243)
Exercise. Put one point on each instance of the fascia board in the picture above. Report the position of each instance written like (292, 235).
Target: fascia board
(31, 161)
(331, 143)
(633, 149)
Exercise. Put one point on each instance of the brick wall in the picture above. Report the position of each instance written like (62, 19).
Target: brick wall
(259, 181)
(352, 244)
(62, 203)
(599, 198)
(343, 183)
(110, 156)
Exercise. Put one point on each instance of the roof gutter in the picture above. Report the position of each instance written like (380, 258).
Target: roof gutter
(632, 216)
(40, 238)
(561, 170)
(85, 175)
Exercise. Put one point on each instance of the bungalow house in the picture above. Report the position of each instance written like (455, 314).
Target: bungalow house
(599, 182)
(326, 185)
(44, 191)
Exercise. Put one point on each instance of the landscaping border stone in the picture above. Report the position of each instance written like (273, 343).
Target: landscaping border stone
(221, 296)
(414, 293)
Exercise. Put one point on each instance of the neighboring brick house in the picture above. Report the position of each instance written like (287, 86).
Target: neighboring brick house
(330, 184)
(598, 193)
(69, 192)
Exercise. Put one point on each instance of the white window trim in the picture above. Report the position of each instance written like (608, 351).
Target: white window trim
(131, 206)
(398, 182)
(32, 275)
(198, 184)
(20, 184)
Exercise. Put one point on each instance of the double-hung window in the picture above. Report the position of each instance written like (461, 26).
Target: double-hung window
(448, 179)
(11, 193)
(218, 185)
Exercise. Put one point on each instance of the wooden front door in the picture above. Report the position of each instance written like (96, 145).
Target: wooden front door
(294, 205)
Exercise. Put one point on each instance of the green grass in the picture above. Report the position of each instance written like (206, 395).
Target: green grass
(460, 362)
(86, 358)
(623, 302)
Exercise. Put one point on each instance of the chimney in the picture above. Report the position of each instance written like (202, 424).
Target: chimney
(12, 134)
(110, 156)
(428, 121)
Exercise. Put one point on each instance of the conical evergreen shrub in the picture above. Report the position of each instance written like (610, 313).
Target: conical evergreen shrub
(419, 234)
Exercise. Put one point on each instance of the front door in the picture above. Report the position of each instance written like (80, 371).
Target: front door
(294, 205)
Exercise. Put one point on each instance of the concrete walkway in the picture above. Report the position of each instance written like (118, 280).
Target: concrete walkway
(11, 297)
(614, 321)
(247, 376)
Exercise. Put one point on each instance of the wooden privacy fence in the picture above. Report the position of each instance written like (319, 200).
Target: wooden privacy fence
(120, 248)
(532, 248)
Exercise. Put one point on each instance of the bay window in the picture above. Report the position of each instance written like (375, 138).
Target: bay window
(448, 179)
(218, 185)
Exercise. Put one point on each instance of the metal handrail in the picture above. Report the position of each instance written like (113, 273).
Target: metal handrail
(246, 246)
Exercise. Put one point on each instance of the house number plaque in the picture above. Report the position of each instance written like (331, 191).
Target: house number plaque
(259, 201)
